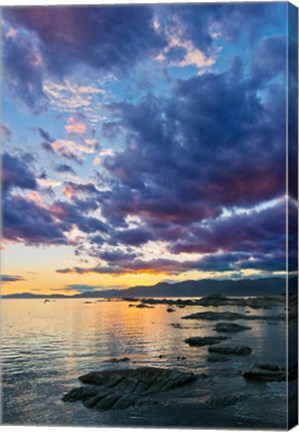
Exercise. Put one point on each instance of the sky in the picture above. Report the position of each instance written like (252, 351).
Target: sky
(142, 144)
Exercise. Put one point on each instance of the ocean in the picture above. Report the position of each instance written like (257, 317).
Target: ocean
(47, 346)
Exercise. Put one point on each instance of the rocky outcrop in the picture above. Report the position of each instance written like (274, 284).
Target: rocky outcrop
(118, 389)
(202, 341)
(231, 349)
(232, 316)
(265, 372)
(141, 306)
(223, 401)
(224, 327)
(259, 302)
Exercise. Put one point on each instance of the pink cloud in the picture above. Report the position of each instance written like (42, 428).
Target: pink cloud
(76, 124)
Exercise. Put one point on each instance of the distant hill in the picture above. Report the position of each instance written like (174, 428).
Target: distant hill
(243, 287)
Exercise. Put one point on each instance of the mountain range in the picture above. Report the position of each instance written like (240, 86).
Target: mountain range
(189, 288)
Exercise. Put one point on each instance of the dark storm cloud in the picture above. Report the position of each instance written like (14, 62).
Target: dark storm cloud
(214, 143)
(15, 173)
(232, 21)
(133, 237)
(112, 38)
(70, 214)
(236, 261)
(258, 231)
(27, 222)
(162, 266)
(116, 256)
(108, 38)
(22, 72)
(11, 278)
(220, 262)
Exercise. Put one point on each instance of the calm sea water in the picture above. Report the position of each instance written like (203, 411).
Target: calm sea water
(45, 347)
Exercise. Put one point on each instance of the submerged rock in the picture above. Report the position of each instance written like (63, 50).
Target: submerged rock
(126, 387)
(217, 358)
(202, 341)
(170, 310)
(223, 401)
(231, 349)
(232, 316)
(177, 325)
(265, 372)
(224, 327)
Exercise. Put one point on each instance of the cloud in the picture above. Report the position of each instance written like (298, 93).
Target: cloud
(69, 96)
(6, 131)
(15, 173)
(23, 69)
(11, 278)
(76, 124)
(64, 169)
(260, 231)
(54, 47)
(28, 222)
(81, 288)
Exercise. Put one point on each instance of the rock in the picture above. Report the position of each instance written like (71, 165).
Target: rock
(177, 325)
(80, 393)
(224, 327)
(202, 341)
(223, 401)
(214, 300)
(126, 387)
(258, 302)
(265, 372)
(125, 402)
(107, 401)
(232, 316)
(217, 358)
(170, 310)
(116, 360)
(231, 349)
(142, 305)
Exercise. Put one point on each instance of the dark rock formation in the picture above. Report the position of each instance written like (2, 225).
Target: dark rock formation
(224, 327)
(265, 372)
(202, 341)
(232, 316)
(230, 349)
(223, 401)
(120, 360)
(126, 387)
